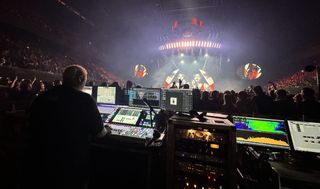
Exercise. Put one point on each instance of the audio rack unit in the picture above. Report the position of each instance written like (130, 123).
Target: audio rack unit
(200, 154)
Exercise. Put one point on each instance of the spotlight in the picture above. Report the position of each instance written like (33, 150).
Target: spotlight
(206, 55)
(181, 54)
(195, 61)
(182, 62)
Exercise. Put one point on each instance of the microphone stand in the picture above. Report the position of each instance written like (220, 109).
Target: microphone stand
(156, 133)
(150, 117)
(150, 110)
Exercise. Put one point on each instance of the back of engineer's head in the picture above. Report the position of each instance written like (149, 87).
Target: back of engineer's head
(75, 76)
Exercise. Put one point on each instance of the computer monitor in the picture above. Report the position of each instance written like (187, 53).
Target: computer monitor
(129, 116)
(305, 136)
(106, 95)
(153, 96)
(87, 89)
(178, 100)
(270, 133)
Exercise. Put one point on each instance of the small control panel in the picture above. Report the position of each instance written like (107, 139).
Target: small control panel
(305, 136)
(129, 116)
(201, 176)
(131, 131)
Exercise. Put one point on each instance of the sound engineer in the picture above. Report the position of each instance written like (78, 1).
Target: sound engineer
(63, 121)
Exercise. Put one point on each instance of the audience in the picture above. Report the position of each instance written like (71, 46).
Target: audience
(16, 52)
(295, 82)
(261, 103)
(243, 103)
(283, 106)
(310, 107)
(204, 102)
(215, 103)
(21, 92)
(228, 106)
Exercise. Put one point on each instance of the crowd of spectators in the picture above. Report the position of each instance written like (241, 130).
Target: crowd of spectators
(256, 102)
(278, 103)
(296, 81)
(31, 54)
(26, 51)
(275, 102)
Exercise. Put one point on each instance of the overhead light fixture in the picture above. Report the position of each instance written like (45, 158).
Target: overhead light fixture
(190, 44)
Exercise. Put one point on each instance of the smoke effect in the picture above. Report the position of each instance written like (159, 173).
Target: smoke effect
(231, 84)
(158, 77)
(130, 33)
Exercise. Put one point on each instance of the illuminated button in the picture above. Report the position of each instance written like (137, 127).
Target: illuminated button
(214, 146)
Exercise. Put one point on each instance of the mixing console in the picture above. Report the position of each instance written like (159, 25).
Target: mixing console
(128, 121)
(131, 131)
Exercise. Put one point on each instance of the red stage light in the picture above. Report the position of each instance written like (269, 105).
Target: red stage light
(201, 24)
(194, 21)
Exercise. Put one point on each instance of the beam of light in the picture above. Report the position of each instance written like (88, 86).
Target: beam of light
(173, 62)
(74, 11)
(205, 64)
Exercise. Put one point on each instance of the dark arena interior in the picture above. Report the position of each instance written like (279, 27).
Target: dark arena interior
(159, 94)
